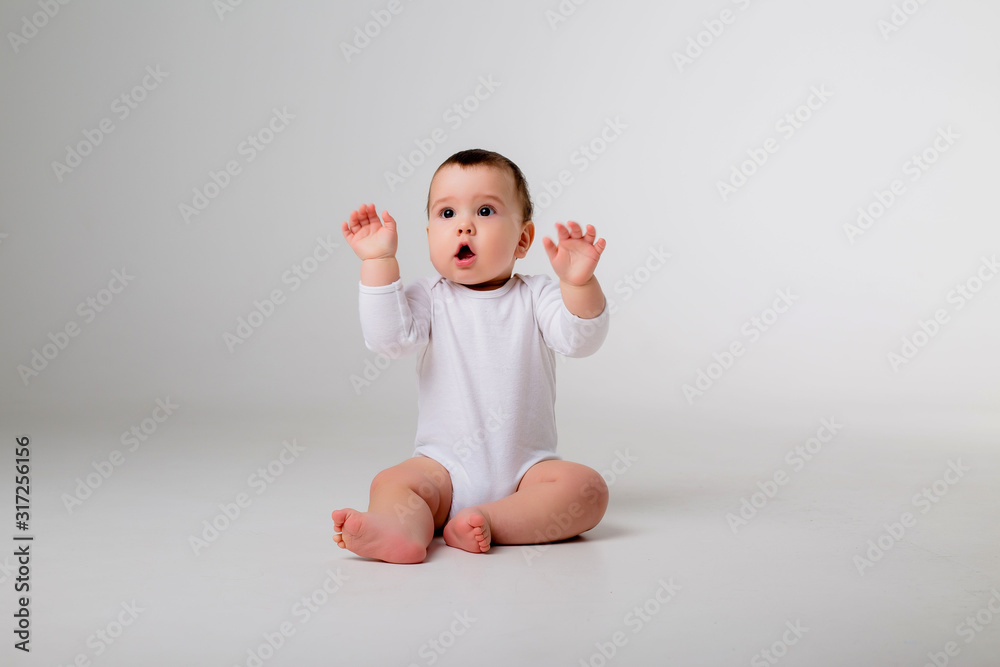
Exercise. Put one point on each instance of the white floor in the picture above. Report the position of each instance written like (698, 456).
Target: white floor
(663, 580)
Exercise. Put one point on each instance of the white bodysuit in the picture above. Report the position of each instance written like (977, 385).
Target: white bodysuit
(485, 372)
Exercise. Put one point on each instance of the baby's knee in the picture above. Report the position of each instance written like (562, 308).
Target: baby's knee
(404, 476)
(395, 477)
(384, 478)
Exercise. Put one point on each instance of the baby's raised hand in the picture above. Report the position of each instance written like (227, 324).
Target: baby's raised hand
(575, 258)
(368, 236)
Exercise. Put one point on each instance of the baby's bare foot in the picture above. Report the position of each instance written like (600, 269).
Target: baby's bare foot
(469, 530)
(379, 536)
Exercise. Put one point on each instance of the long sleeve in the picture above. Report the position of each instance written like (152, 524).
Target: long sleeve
(394, 321)
(563, 331)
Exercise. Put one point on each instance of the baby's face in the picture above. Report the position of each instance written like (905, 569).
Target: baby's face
(477, 207)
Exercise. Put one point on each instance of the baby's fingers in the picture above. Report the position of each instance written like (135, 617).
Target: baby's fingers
(390, 222)
(369, 215)
(550, 247)
(359, 218)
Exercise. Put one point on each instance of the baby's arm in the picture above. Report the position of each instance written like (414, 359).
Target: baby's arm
(375, 244)
(394, 321)
(574, 261)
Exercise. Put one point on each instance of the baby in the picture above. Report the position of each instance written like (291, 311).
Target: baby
(484, 469)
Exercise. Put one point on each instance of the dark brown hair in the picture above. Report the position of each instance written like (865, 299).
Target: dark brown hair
(477, 156)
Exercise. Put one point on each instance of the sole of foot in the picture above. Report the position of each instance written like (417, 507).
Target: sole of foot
(377, 536)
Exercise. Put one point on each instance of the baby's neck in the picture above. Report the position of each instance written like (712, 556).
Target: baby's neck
(496, 283)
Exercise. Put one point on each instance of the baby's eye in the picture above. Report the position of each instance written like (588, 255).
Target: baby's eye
(486, 211)
(447, 213)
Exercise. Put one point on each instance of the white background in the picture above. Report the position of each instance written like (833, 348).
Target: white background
(558, 83)
(655, 185)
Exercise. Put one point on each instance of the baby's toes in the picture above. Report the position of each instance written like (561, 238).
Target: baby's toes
(339, 517)
(480, 531)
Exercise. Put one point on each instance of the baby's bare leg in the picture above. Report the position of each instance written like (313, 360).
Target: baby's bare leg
(407, 502)
(555, 500)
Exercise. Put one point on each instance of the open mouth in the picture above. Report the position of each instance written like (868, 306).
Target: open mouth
(465, 256)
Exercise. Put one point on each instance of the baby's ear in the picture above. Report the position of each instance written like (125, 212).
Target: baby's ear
(527, 236)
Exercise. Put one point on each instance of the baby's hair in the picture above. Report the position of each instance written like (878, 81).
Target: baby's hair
(478, 156)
